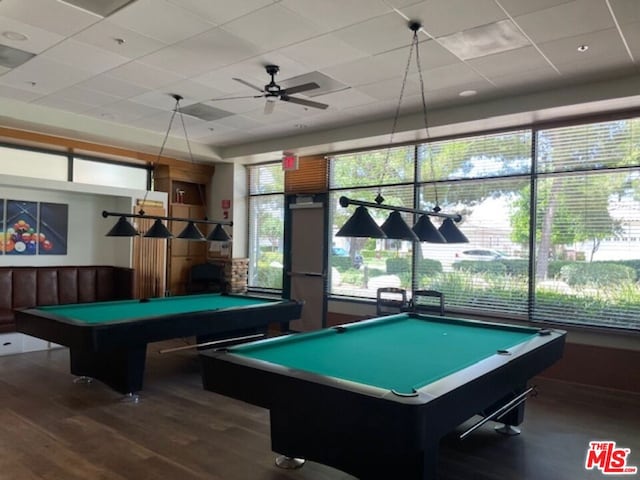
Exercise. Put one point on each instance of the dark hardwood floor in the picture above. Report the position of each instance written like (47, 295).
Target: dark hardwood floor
(54, 429)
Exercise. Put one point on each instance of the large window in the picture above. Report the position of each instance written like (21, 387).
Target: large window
(32, 163)
(552, 217)
(359, 266)
(98, 172)
(266, 226)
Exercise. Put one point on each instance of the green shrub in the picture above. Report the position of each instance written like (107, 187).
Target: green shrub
(473, 266)
(341, 263)
(398, 265)
(353, 277)
(429, 267)
(597, 274)
(553, 270)
(269, 277)
(375, 272)
(516, 267)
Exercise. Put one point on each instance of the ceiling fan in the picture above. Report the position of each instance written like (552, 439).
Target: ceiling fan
(272, 92)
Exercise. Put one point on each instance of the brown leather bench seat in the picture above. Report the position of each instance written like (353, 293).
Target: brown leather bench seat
(25, 287)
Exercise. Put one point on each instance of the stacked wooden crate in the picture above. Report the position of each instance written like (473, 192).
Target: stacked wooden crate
(237, 274)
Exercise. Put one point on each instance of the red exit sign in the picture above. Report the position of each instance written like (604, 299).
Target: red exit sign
(289, 161)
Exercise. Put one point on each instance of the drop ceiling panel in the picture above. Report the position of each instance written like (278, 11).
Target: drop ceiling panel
(55, 17)
(161, 20)
(37, 39)
(196, 48)
(86, 96)
(18, 93)
(520, 7)
(605, 45)
(221, 11)
(123, 111)
(94, 60)
(365, 36)
(566, 20)
(443, 17)
(273, 27)
(320, 52)
(60, 103)
(49, 76)
(631, 34)
(513, 61)
(336, 14)
(105, 34)
(112, 86)
(144, 75)
(626, 11)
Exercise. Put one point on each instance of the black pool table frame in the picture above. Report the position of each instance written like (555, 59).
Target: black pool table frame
(115, 352)
(370, 432)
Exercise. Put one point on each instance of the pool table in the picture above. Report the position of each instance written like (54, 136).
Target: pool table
(374, 398)
(108, 340)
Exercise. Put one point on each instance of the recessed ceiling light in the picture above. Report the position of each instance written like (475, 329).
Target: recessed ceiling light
(583, 48)
(467, 93)
(15, 36)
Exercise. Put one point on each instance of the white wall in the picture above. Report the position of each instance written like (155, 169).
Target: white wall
(86, 240)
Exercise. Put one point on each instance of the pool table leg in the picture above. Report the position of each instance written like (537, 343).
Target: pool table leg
(512, 418)
(121, 369)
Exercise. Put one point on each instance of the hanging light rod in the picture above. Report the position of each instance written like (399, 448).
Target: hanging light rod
(345, 202)
(106, 214)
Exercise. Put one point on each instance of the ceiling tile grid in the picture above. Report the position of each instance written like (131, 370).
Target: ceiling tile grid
(123, 68)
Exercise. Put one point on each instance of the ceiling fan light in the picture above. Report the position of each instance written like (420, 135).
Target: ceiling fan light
(361, 225)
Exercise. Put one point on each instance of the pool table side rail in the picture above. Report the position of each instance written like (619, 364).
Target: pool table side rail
(546, 348)
(100, 336)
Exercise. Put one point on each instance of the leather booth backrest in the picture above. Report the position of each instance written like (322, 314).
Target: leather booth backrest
(24, 287)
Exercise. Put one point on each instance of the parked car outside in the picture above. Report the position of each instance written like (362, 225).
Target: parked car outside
(341, 252)
(480, 255)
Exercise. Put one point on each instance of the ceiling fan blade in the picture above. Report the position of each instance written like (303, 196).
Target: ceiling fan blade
(234, 98)
(306, 103)
(244, 82)
(301, 88)
(269, 106)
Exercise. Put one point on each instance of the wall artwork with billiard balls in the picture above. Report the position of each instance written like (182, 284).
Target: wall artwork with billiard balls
(33, 228)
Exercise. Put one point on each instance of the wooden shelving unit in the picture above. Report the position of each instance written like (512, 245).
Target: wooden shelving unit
(187, 188)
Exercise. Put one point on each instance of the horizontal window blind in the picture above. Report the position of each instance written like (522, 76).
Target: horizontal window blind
(266, 226)
(376, 167)
(311, 176)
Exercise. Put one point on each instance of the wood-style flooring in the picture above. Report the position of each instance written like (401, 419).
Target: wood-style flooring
(54, 429)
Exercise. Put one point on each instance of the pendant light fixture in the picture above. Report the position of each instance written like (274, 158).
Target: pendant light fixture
(362, 225)
(123, 228)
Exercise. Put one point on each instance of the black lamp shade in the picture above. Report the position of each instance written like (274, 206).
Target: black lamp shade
(427, 232)
(191, 232)
(451, 233)
(158, 230)
(122, 228)
(395, 227)
(218, 234)
(361, 225)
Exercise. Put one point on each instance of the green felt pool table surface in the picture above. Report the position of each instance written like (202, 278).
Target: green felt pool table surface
(399, 352)
(103, 312)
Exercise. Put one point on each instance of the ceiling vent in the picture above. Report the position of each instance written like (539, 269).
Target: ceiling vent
(205, 112)
(485, 40)
(12, 57)
(327, 84)
(104, 8)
